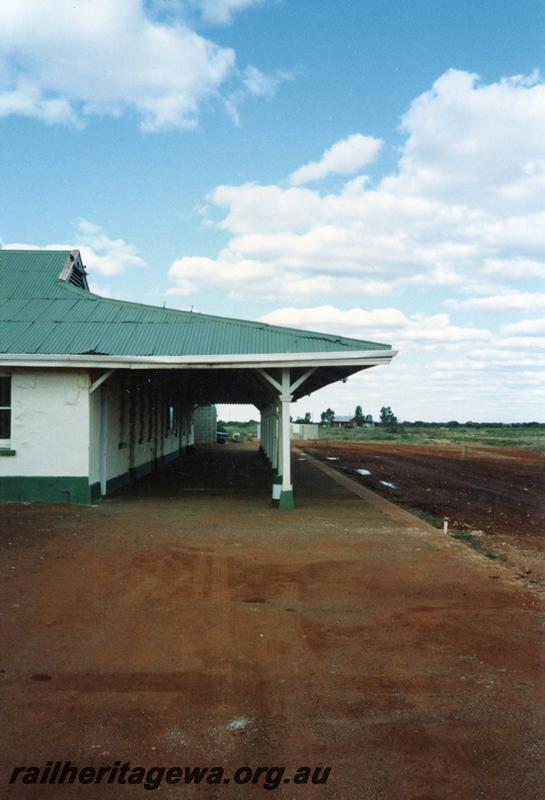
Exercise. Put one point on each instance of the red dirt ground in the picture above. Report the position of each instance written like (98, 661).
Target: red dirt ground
(499, 492)
(346, 633)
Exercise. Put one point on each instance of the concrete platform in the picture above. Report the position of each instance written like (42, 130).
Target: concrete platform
(185, 622)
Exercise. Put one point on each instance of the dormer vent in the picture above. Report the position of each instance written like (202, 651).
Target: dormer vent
(74, 272)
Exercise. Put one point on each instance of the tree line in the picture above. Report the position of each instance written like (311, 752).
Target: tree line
(389, 421)
(327, 418)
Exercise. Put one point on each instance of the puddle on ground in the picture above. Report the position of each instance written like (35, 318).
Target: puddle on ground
(364, 471)
(331, 458)
(389, 484)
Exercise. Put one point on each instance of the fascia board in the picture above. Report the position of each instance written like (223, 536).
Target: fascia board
(244, 360)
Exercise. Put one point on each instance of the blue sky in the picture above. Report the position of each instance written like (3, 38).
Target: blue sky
(375, 169)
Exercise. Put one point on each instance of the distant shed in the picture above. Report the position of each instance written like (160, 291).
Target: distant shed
(205, 424)
(343, 422)
(304, 430)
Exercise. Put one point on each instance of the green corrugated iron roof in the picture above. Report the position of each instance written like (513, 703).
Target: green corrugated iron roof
(40, 313)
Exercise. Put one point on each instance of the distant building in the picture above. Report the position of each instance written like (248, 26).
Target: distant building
(205, 421)
(343, 422)
(304, 430)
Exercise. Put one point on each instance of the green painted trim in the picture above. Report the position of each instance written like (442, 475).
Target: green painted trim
(135, 473)
(75, 490)
(6, 451)
(286, 500)
(32, 489)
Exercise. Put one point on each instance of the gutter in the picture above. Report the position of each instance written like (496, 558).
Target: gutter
(363, 358)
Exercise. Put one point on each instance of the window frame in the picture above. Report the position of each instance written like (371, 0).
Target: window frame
(6, 443)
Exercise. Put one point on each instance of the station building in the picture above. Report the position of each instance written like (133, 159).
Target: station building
(97, 392)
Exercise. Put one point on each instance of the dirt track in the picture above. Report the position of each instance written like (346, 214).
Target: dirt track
(344, 633)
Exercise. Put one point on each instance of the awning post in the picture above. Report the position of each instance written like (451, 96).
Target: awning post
(274, 447)
(284, 489)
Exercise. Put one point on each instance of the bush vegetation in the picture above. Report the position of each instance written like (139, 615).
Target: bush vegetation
(527, 435)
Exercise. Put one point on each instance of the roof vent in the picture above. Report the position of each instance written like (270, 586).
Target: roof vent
(74, 272)
(78, 279)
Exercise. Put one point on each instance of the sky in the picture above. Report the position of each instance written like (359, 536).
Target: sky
(369, 168)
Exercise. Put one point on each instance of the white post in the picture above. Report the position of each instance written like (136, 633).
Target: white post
(279, 442)
(274, 450)
(286, 495)
(103, 441)
(277, 478)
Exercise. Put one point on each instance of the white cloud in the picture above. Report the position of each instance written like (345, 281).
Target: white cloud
(459, 220)
(61, 61)
(25, 97)
(101, 254)
(462, 210)
(514, 268)
(259, 83)
(255, 83)
(507, 301)
(251, 277)
(343, 158)
(476, 144)
(526, 327)
(380, 324)
(443, 370)
(330, 318)
(221, 12)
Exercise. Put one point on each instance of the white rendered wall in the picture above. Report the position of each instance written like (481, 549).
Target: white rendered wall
(49, 423)
(94, 433)
(136, 437)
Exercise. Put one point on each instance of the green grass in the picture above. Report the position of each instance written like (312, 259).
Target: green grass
(243, 431)
(463, 536)
(427, 516)
(471, 540)
(469, 659)
(528, 438)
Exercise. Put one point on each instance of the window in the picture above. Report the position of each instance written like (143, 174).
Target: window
(5, 409)
(171, 418)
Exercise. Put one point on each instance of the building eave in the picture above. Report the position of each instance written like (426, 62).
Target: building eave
(362, 358)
